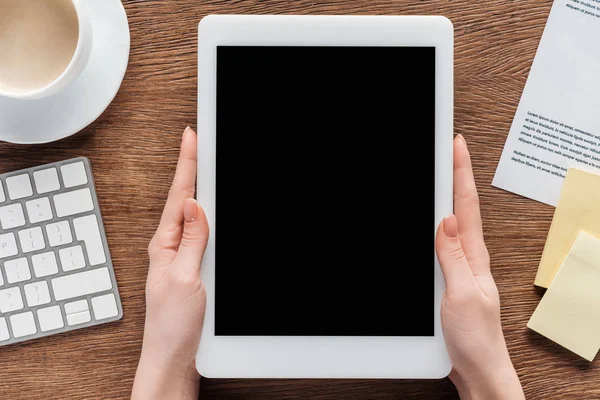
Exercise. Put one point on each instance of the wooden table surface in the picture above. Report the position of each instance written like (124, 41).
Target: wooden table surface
(133, 148)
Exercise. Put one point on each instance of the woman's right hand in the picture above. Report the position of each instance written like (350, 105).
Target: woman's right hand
(482, 368)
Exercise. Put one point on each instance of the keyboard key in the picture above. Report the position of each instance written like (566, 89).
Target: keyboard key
(46, 180)
(74, 174)
(105, 306)
(75, 202)
(32, 239)
(8, 245)
(23, 324)
(50, 318)
(44, 264)
(12, 216)
(10, 300)
(4, 335)
(76, 307)
(77, 312)
(59, 233)
(81, 284)
(79, 318)
(39, 210)
(17, 270)
(87, 230)
(19, 187)
(2, 197)
(71, 258)
(37, 293)
(1, 280)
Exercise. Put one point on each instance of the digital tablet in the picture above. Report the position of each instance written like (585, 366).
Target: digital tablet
(324, 167)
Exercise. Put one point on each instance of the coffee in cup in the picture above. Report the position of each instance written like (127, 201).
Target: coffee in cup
(38, 42)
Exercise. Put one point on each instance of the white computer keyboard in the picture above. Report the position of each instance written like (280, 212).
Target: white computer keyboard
(56, 273)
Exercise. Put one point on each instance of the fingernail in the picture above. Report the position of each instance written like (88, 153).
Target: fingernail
(185, 132)
(450, 226)
(461, 138)
(190, 210)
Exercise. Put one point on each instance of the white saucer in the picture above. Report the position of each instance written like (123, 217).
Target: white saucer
(83, 100)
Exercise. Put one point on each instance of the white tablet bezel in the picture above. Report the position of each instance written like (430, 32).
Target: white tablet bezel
(322, 357)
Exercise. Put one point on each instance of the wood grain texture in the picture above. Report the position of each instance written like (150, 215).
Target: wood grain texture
(133, 149)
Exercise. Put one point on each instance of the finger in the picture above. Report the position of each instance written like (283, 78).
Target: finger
(183, 187)
(193, 240)
(453, 261)
(466, 209)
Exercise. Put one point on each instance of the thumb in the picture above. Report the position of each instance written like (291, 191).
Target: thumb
(453, 261)
(194, 237)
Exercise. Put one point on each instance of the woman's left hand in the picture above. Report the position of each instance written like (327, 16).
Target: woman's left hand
(175, 296)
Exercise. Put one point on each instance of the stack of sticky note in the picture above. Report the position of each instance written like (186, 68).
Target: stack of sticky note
(569, 312)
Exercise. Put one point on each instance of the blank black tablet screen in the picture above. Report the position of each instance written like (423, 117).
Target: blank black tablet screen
(325, 191)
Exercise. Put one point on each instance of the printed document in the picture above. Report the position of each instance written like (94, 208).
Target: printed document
(557, 123)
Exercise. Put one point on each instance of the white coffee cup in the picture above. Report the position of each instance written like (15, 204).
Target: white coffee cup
(75, 66)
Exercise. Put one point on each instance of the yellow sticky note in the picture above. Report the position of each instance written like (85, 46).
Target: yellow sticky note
(569, 312)
(578, 209)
